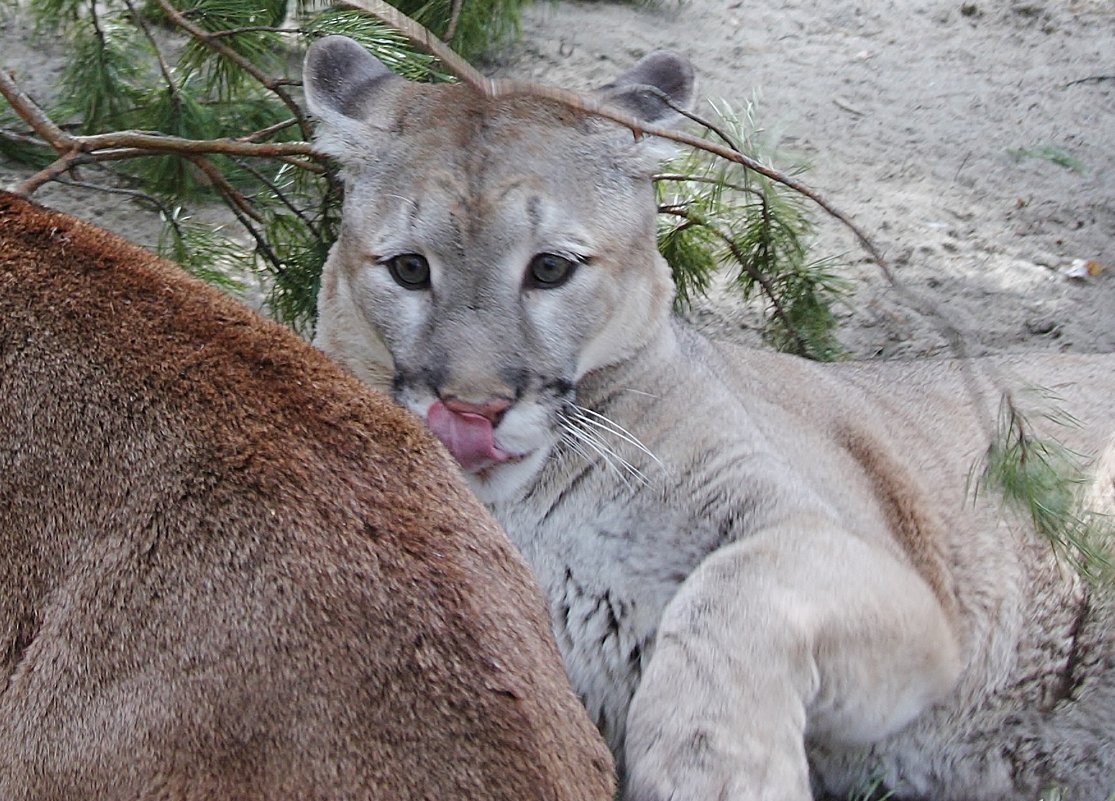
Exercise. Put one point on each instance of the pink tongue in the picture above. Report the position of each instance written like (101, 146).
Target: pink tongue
(467, 436)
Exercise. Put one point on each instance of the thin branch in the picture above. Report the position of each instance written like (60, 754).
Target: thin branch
(207, 39)
(420, 36)
(164, 67)
(454, 18)
(117, 190)
(234, 196)
(280, 195)
(251, 29)
(749, 266)
(51, 172)
(266, 132)
(72, 159)
(175, 144)
(22, 138)
(262, 245)
(34, 116)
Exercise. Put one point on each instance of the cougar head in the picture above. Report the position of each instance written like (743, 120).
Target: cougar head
(492, 252)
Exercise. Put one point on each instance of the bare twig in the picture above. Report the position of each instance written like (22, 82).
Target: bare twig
(266, 132)
(34, 116)
(176, 144)
(251, 29)
(118, 190)
(233, 195)
(22, 138)
(454, 18)
(51, 172)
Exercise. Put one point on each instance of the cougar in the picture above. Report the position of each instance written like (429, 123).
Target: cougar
(768, 578)
(230, 571)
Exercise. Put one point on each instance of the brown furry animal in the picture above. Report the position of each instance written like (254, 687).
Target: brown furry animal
(227, 571)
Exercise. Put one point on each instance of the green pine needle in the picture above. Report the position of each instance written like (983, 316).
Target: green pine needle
(98, 83)
(389, 46)
(201, 250)
(717, 215)
(1041, 478)
(266, 49)
(481, 25)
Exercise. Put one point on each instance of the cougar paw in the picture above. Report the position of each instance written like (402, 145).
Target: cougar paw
(701, 765)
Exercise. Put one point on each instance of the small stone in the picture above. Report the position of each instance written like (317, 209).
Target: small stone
(1041, 326)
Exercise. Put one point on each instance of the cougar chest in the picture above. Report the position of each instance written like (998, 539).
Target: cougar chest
(608, 558)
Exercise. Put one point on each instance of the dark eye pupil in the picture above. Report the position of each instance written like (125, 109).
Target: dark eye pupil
(548, 270)
(410, 270)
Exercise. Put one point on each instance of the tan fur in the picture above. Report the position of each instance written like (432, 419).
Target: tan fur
(228, 571)
(787, 586)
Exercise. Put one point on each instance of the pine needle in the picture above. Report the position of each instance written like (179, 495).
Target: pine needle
(1044, 481)
(202, 251)
(717, 215)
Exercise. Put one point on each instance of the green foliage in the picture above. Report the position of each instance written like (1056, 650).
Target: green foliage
(717, 215)
(203, 251)
(246, 25)
(1050, 153)
(1042, 479)
(99, 84)
(479, 25)
(134, 69)
(872, 789)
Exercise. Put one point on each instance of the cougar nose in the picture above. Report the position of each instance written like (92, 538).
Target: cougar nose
(492, 409)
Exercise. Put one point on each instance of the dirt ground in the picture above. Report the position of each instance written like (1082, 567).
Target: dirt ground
(975, 141)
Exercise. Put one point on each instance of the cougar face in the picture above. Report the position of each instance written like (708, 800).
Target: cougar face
(487, 281)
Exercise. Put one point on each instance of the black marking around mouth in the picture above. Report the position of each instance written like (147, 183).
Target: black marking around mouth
(558, 386)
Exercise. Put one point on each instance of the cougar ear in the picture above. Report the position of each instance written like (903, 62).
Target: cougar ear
(644, 89)
(651, 91)
(343, 82)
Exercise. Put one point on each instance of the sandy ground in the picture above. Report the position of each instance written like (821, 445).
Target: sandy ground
(915, 115)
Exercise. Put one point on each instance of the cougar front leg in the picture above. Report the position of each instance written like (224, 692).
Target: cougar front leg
(799, 627)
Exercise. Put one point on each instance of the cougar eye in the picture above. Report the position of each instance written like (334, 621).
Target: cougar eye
(549, 270)
(410, 270)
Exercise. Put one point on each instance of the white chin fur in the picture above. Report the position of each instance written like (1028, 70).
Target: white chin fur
(503, 482)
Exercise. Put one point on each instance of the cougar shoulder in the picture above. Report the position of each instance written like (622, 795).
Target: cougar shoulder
(228, 570)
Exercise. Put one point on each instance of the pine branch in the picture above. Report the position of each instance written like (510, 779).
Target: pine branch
(34, 116)
(748, 264)
(1043, 479)
(215, 44)
(164, 67)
